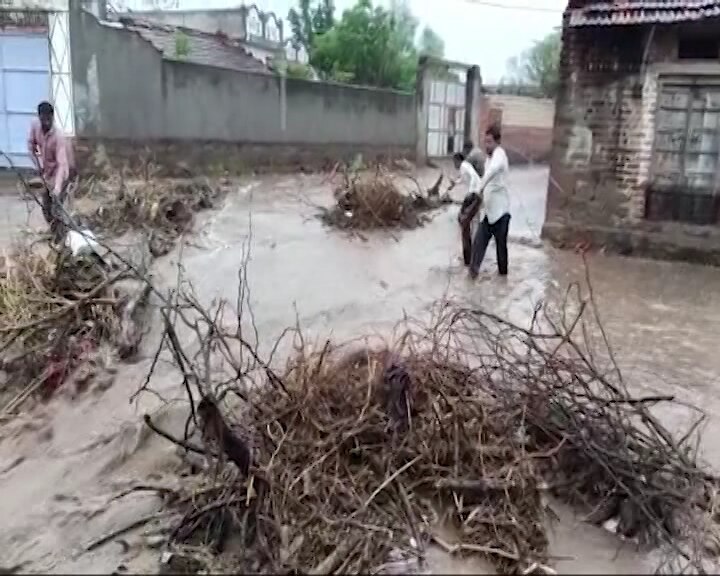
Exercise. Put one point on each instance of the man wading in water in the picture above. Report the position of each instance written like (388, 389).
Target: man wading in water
(52, 155)
(470, 204)
(495, 204)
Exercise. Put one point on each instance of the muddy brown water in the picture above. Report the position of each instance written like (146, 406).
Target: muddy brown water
(61, 465)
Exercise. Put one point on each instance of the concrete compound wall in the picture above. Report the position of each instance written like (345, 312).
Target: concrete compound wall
(603, 144)
(127, 98)
(526, 123)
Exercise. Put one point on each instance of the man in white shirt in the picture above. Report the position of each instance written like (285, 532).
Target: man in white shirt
(470, 204)
(496, 206)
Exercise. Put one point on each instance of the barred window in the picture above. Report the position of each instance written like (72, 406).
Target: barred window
(685, 182)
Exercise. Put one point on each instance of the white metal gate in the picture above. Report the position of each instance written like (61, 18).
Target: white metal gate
(446, 117)
(24, 82)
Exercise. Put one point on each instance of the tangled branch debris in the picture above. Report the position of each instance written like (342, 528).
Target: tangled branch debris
(66, 316)
(163, 208)
(58, 312)
(365, 201)
(351, 459)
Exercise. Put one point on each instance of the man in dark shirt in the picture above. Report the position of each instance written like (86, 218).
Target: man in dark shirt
(475, 156)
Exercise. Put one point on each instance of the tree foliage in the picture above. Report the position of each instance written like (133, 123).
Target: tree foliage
(308, 22)
(431, 44)
(182, 44)
(538, 67)
(405, 23)
(368, 45)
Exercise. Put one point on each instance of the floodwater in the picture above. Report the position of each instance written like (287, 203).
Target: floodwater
(61, 465)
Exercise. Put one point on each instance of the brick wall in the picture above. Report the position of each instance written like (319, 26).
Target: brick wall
(526, 145)
(526, 123)
(597, 145)
(603, 140)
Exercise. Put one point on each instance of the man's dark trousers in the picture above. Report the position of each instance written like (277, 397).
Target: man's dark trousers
(497, 230)
(468, 210)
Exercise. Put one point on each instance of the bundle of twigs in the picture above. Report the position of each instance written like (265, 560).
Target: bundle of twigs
(374, 200)
(348, 461)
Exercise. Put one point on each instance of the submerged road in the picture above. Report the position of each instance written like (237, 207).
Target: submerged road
(58, 469)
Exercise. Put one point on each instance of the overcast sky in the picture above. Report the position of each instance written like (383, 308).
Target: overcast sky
(475, 31)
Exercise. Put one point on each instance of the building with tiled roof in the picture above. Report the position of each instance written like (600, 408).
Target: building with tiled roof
(189, 45)
(260, 32)
(629, 12)
(636, 148)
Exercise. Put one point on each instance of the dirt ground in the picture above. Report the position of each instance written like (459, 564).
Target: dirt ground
(61, 465)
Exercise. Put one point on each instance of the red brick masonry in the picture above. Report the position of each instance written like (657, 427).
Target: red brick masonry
(523, 144)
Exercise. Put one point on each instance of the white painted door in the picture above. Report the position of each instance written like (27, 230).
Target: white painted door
(446, 117)
(24, 83)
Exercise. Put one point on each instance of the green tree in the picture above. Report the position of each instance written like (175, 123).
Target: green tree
(369, 45)
(537, 67)
(431, 44)
(405, 23)
(307, 22)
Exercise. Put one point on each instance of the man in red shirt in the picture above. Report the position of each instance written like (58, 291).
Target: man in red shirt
(53, 157)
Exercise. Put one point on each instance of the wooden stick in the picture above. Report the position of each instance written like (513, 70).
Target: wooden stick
(480, 485)
(454, 548)
(328, 565)
(187, 445)
(124, 530)
(26, 392)
(389, 480)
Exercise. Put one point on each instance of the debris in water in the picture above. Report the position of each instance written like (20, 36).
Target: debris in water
(351, 452)
(56, 312)
(366, 201)
(60, 305)
(163, 207)
(81, 243)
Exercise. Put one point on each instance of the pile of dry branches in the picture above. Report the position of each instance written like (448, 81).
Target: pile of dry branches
(163, 208)
(350, 460)
(56, 312)
(365, 201)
